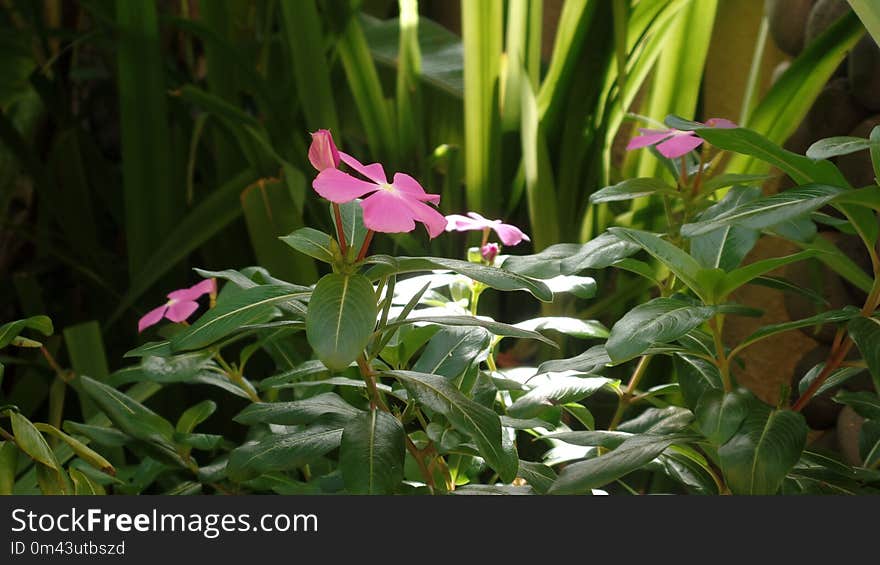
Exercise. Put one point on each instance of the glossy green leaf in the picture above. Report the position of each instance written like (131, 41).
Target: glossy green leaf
(31, 441)
(744, 275)
(452, 350)
(83, 485)
(659, 321)
(341, 318)
(496, 328)
(829, 317)
(720, 414)
(82, 451)
(768, 211)
(282, 452)
(481, 424)
(590, 360)
(249, 306)
(630, 189)
(584, 329)
(631, 455)
(195, 415)
(558, 389)
(869, 443)
(571, 258)
(8, 466)
(725, 248)
(758, 457)
(314, 243)
(296, 412)
(837, 146)
(372, 453)
(493, 277)
(683, 265)
(866, 404)
(581, 287)
(11, 330)
(539, 476)
(865, 332)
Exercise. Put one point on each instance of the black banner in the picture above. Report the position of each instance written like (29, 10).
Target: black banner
(225, 529)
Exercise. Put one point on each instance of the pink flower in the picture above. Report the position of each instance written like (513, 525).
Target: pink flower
(180, 306)
(489, 252)
(323, 153)
(673, 143)
(391, 207)
(507, 233)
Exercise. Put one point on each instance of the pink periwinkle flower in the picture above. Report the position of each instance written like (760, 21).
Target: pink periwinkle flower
(507, 233)
(489, 252)
(391, 207)
(673, 143)
(180, 306)
(322, 152)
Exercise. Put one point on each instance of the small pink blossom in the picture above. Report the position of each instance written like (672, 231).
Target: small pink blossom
(180, 306)
(390, 207)
(489, 252)
(507, 233)
(322, 152)
(673, 143)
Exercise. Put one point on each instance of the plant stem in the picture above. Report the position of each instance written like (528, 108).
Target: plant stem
(365, 247)
(627, 396)
(340, 231)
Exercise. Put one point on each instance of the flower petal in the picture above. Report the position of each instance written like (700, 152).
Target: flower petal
(721, 123)
(679, 145)
(485, 222)
(339, 187)
(180, 310)
(206, 286)
(322, 152)
(373, 171)
(457, 222)
(509, 234)
(387, 212)
(648, 137)
(410, 186)
(151, 318)
(489, 252)
(434, 221)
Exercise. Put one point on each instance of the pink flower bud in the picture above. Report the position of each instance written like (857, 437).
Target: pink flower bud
(323, 153)
(490, 251)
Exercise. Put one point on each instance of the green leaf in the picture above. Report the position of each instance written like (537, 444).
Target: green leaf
(829, 317)
(633, 454)
(128, 415)
(8, 466)
(352, 224)
(539, 476)
(314, 243)
(493, 277)
(725, 248)
(452, 350)
(233, 310)
(659, 321)
(342, 315)
(559, 389)
(763, 451)
(296, 412)
(731, 179)
(743, 275)
(865, 332)
(590, 360)
(152, 200)
(83, 451)
(282, 452)
(372, 453)
(869, 443)
(683, 265)
(584, 329)
(768, 211)
(866, 404)
(480, 423)
(837, 146)
(195, 415)
(11, 330)
(571, 258)
(630, 189)
(581, 287)
(106, 436)
(31, 441)
(301, 371)
(83, 485)
(720, 414)
(497, 328)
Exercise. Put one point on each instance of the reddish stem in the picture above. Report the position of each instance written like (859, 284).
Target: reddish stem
(340, 231)
(366, 246)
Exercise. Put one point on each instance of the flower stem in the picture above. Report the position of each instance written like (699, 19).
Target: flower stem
(366, 246)
(627, 396)
(340, 230)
